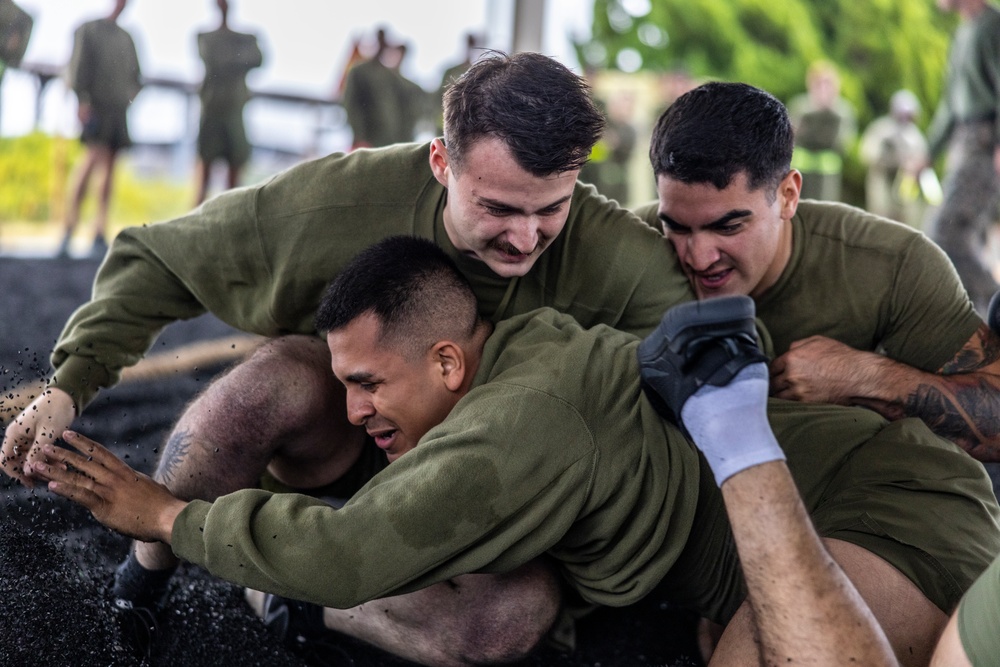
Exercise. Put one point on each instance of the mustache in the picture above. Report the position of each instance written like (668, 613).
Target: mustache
(511, 249)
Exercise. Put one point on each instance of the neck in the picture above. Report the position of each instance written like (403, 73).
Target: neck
(781, 259)
(475, 351)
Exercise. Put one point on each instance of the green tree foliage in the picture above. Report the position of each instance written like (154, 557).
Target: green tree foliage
(879, 46)
(36, 171)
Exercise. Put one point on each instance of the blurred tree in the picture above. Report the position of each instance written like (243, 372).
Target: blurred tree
(879, 47)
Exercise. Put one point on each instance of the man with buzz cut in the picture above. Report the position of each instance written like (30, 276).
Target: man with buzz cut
(860, 310)
(498, 193)
(531, 445)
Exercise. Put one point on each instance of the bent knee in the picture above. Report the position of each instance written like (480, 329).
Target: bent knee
(514, 621)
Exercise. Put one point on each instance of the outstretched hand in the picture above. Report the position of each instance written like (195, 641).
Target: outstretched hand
(38, 424)
(121, 498)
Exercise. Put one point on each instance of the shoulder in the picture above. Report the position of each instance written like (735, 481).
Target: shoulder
(854, 228)
(368, 177)
(599, 225)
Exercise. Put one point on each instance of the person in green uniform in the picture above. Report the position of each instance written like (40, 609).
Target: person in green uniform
(380, 103)
(228, 56)
(895, 151)
(860, 310)
(526, 452)
(104, 73)
(499, 193)
(967, 121)
(825, 126)
(15, 30)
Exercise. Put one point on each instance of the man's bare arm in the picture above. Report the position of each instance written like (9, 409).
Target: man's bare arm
(960, 402)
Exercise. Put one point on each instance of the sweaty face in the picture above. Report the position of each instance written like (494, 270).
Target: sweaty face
(730, 241)
(396, 399)
(497, 212)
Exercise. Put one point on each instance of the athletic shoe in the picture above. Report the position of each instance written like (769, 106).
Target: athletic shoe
(697, 343)
(299, 625)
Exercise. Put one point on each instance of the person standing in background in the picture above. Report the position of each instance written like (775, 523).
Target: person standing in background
(966, 120)
(379, 102)
(15, 29)
(228, 56)
(104, 73)
(824, 125)
(895, 151)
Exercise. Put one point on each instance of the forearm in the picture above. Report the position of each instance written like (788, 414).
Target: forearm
(804, 606)
(962, 407)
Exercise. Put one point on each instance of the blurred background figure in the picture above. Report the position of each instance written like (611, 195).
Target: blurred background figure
(966, 122)
(673, 83)
(825, 126)
(383, 107)
(895, 151)
(15, 29)
(609, 161)
(473, 49)
(104, 73)
(228, 56)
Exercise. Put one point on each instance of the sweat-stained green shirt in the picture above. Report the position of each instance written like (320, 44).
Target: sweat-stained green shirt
(259, 258)
(553, 450)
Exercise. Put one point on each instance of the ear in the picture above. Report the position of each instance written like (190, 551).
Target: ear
(450, 360)
(439, 161)
(788, 193)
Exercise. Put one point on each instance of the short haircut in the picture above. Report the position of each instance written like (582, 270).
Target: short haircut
(539, 108)
(411, 286)
(718, 130)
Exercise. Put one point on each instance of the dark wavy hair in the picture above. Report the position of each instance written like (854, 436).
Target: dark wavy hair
(539, 108)
(714, 132)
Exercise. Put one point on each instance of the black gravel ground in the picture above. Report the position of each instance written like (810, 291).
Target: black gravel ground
(56, 561)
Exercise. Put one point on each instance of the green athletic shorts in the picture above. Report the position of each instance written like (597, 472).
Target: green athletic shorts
(897, 490)
(223, 136)
(107, 126)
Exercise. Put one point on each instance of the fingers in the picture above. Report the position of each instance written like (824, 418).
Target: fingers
(37, 425)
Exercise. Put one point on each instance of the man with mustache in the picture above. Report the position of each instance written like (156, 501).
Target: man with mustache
(498, 193)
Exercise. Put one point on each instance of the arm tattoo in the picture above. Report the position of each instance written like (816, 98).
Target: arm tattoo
(967, 414)
(176, 449)
(973, 356)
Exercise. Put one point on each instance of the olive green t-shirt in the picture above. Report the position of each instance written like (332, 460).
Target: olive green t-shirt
(867, 282)
(259, 258)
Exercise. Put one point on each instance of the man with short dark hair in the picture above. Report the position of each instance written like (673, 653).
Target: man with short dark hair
(531, 444)
(860, 310)
(498, 193)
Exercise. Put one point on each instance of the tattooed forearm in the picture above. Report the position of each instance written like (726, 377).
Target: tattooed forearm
(968, 414)
(176, 449)
(981, 351)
